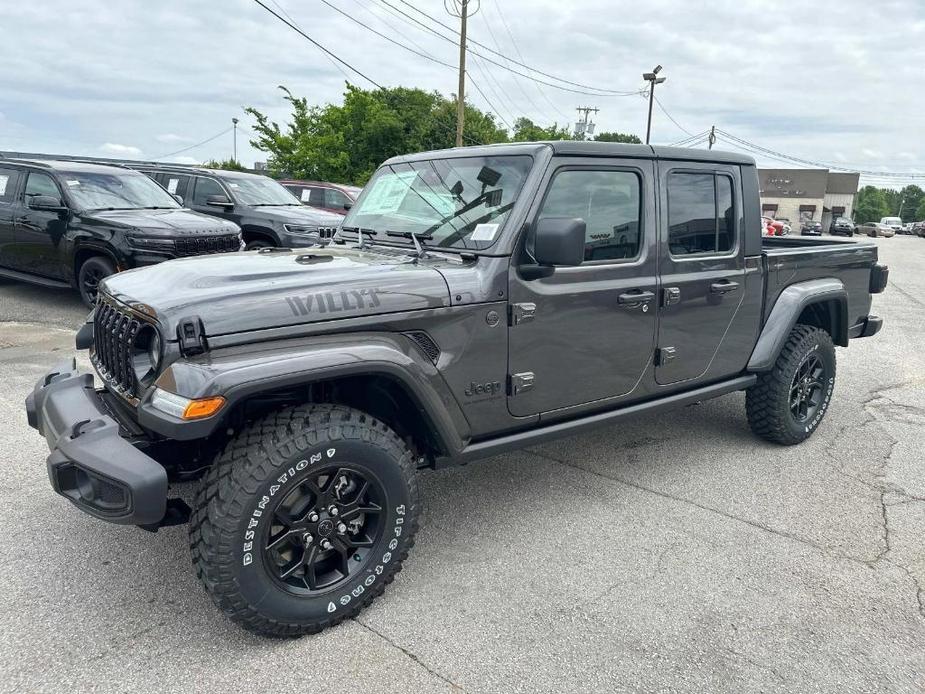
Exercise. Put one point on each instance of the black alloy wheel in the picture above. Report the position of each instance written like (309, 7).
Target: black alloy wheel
(807, 389)
(93, 271)
(322, 530)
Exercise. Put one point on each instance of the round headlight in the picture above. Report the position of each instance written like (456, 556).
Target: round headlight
(146, 357)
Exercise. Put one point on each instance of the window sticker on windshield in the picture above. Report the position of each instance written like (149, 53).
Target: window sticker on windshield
(234, 185)
(306, 194)
(484, 232)
(3, 182)
(388, 193)
(73, 182)
(172, 185)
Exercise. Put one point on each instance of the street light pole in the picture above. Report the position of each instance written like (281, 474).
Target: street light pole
(234, 123)
(652, 78)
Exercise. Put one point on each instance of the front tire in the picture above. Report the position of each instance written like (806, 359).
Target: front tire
(93, 271)
(304, 518)
(788, 403)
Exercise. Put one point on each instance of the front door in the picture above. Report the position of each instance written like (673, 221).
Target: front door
(702, 267)
(40, 234)
(586, 333)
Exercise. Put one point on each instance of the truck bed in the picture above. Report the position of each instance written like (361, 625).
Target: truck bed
(790, 259)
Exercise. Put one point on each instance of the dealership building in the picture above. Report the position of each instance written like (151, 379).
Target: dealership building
(807, 194)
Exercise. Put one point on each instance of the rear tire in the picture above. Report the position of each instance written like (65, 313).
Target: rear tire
(267, 542)
(91, 273)
(257, 244)
(788, 403)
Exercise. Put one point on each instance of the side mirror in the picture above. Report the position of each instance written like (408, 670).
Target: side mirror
(559, 241)
(49, 203)
(348, 206)
(219, 201)
(178, 198)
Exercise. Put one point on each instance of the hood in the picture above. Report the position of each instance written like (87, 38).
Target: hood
(169, 222)
(299, 215)
(237, 292)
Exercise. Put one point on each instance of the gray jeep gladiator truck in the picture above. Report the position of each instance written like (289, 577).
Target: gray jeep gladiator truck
(474, 301)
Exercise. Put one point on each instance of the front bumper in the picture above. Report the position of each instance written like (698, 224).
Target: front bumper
(91, 464)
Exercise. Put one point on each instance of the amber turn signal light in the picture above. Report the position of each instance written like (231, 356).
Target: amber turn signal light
(206, 407)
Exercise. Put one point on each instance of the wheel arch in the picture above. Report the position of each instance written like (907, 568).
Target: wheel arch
(84, 252)
(822, 303)
(250, 232)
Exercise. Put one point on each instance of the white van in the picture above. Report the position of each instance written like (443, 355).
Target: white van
(895, 223)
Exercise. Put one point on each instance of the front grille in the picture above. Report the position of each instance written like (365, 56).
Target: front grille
(114, 332)
(203, 245)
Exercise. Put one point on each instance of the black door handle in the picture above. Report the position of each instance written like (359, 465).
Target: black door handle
(723, 287)
(634, 299)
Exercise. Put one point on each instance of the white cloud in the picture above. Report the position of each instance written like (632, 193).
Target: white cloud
(183, 160)
(120, 150)
(171, 139)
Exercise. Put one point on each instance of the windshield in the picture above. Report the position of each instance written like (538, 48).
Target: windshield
(260, 190)
(451, 203)
(122, 190)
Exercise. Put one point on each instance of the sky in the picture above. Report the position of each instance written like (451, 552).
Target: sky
(828, 81)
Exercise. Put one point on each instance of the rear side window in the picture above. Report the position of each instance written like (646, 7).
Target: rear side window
(334, 199)
(174, 183)
(204, 188)
(8, 179)
(609, 202)
(701, 214)
(41, 184)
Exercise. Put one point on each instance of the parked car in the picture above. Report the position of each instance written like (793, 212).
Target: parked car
(876, 229)
(331, 197)
(810, 228)
(500, 333)
(895, 223)
(918, 228)
(268, 214)
(69, 224)
(842, 226)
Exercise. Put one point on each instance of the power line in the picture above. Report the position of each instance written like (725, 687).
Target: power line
(198, 144)
(684, 142)
(663, 110)
(330, 59)
(318, 45)
(479, 90)
(503, 66)
(388, 38)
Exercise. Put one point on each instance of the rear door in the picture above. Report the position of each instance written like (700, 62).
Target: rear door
(701, 265)
(9, 182)
(586, 333)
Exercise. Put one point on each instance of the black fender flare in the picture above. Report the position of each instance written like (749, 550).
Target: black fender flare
(267, 232)
(791, 302)
(237, 375)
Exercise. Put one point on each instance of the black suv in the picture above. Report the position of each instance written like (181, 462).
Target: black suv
(70, 224)
(269, 215)
(842, 225)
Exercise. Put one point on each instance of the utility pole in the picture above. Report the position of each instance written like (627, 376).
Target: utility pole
(460, 8)
(234, 124)
(652, 78)
(712, 138)
(584, 126)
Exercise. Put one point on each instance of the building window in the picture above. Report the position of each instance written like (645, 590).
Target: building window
(838, 211)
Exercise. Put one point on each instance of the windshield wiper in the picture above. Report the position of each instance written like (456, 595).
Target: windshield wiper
(158, 207)
(276, 204)
(359, 231)
(109, 209)
(416, 238)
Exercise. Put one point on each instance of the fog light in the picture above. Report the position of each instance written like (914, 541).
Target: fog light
(185, 408)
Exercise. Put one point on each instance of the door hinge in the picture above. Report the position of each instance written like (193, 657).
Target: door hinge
(520, 383)
(522, 313)
(664, 356)
(671, 296)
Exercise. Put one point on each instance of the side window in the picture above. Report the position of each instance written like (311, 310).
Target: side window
(701, 214)
(609, 202)
(8, 180)
(313, 196)
(204, 188)
(295, 190)
(175, 184)
(335, 199)
(41, 184)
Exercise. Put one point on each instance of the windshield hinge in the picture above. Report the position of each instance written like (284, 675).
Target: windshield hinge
(191, 336)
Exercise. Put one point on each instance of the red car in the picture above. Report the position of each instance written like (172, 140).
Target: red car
(771, 227)
(332, 197)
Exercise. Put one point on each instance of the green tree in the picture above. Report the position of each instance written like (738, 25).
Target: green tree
(346, 142)
(920, 212)
(618, 137)
(227, 164)
(525, 130)
(871, 206)
(911, 198)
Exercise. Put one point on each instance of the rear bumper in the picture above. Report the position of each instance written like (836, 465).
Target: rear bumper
(869, 326)
(91, 464)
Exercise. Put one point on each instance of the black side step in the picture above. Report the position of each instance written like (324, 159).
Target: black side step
(33, 279)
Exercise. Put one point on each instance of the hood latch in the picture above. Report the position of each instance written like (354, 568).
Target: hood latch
(191, 335)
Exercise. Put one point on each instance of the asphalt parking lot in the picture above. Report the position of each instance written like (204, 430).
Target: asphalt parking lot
(673, 553)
